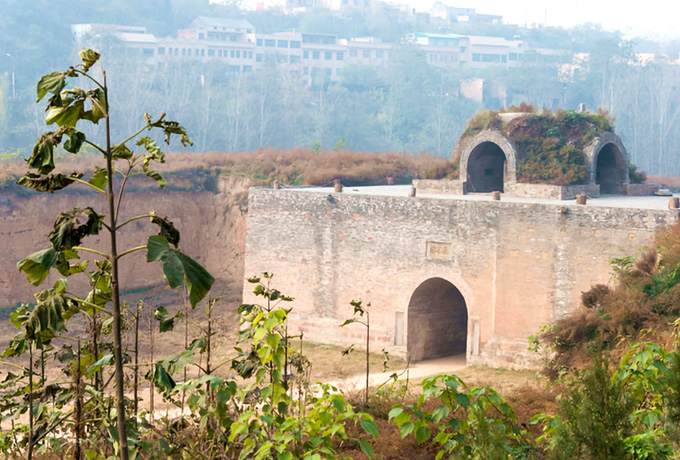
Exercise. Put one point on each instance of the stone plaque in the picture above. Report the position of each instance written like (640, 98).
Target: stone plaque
(438, 250)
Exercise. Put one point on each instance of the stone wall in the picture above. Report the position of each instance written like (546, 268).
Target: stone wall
(212, 231)
(442, 186)
(517, 265)
(551, 192)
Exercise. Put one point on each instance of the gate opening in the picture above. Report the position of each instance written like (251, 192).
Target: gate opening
(437, 321)
(610, 170)
(486, 168)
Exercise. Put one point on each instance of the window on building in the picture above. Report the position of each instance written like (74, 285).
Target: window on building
(219, 53)
(184, 51)
(147, 52)
(328, 71)
(306, 70)
(201, 36)
(337, 72)
(294, 44)
(258, 57)
(512, 56)
(211, 52)
(247, 68)
(305, 54)
(316, 54)
(328, 55)
(504, 58)
(352, 53)
(233, 37)
(232, 53)
(379, 54)
(282, 43)
(366, 54)
(202, 52)
(259, 42)
(250, 54)
(249, 31)
(235, 68)
(176, 51)
(270, 42)
(476, 57)
(462, 49)
(161, 50)
(238, 54)
(340, 55)
(491, 57)
(294, 59)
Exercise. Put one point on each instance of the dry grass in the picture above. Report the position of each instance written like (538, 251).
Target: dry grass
(640, 306)
(296, 166)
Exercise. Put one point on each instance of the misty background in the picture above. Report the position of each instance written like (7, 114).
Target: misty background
(404, 104)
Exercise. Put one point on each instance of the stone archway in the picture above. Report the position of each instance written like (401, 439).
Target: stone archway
(609, 172)
(488, 162)
(608, 164)
(486, 168)
(437, 321)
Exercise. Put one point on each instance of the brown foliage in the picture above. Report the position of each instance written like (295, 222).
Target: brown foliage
(297, 166)
(645, 300)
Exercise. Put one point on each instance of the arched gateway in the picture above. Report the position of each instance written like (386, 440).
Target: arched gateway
(437, 321)
(488, 161)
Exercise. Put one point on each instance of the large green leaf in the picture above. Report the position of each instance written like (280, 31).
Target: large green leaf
(69, 231)
(106, 360)
(75, 142)
(69, 111)
(167, 229)
(89, 58)
(48, 318)
(99, 178)
(50, 183)
(52, 83)
(37, 265)
(179, 268)
(121, 152)
(161, 378)
(42, 157)
(98, 100)
(167, 322)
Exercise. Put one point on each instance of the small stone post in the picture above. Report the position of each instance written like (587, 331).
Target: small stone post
(277, 185)
(390, 180)
(338, 186)
(674, 202)
(496, 196)
(412, 192)
(581, 199)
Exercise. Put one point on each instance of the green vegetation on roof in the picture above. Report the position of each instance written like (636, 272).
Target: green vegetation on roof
(549, 144)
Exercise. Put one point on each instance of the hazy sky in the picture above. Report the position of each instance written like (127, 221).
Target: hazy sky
(654, 18)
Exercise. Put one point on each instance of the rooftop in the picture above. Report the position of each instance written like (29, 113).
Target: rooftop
(225, 22)
(607, 201)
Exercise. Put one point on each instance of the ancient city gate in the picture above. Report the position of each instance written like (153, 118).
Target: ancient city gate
(442, 275)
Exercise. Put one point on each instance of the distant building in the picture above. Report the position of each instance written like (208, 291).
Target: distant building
(454, 14)
(317, 56)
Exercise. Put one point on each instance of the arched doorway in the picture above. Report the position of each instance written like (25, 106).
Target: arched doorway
(610, 169)
(437, 321)
(486, 168)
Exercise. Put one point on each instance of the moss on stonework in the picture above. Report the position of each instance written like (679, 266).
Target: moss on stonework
(549, 144)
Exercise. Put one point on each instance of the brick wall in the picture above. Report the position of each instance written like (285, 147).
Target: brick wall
(517, 265)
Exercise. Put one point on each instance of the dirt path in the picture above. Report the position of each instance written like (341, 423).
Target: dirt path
(416, 372)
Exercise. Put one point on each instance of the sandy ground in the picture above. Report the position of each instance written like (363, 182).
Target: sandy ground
(415, 372)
